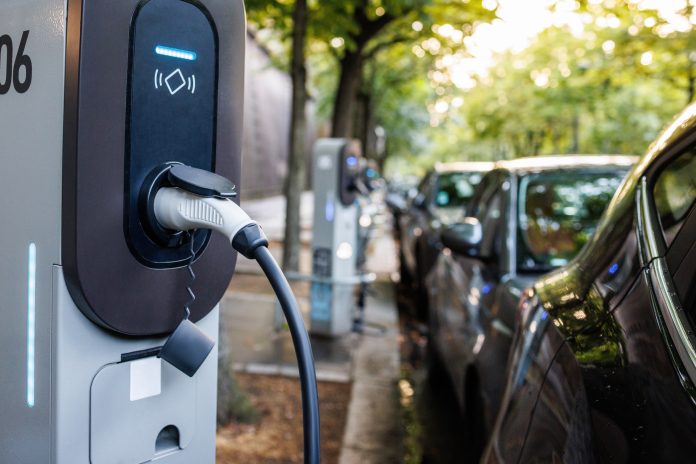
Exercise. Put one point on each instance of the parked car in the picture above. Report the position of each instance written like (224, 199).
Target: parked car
(440, 200)
(603, 367)
(527, 217)
(399, 192)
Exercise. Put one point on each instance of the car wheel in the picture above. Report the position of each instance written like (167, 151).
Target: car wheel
(421, 293)
(474, 416)
(404, 276)
(421, 289)
(433, 360)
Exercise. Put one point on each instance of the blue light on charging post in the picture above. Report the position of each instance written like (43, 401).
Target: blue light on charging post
(330, 210)
(352, 161)
(176, 53)
(31, 323)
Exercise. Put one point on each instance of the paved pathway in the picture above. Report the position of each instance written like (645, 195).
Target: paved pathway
(370, 361)
(373, 430)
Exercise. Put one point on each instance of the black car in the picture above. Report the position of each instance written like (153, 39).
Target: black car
(440, 200)
(527, 217)
(399, 192)
(603, 366)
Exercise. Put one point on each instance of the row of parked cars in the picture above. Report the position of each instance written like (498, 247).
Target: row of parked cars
(560, 294)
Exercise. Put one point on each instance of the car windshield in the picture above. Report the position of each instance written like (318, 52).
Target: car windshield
(558, 213)
(455, 189)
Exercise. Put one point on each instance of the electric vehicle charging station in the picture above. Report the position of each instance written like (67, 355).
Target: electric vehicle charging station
(113, 118)
(336, 168)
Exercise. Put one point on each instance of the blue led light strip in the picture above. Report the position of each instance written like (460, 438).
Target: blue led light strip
(176, 53)
(31, 323)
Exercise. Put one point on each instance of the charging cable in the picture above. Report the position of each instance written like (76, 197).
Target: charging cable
(180, 210)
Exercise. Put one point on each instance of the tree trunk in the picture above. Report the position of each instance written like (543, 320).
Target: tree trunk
(295, 181)
(351, 69)
(370, 128)
(347, 94)
(361, 130)
(382, 158)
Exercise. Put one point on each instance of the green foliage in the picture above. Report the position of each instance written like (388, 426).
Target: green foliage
(385, 32)
(606, 87)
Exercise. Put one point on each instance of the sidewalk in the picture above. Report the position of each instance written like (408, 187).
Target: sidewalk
(369, 361)
(373, 431)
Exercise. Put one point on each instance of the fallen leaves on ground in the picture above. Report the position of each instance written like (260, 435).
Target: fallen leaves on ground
(277, 437)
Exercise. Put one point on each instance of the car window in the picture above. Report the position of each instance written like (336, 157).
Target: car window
(489, 210)
(674, 193)
(455, 189)
(492, 222)
(477, 206)
(424, 184)
(683, 269)
(558, 212)
(423, 189)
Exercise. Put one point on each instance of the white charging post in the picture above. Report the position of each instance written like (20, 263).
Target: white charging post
(95, 95)
(336, 167)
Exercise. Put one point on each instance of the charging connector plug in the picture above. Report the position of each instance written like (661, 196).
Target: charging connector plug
(181, 210)
(177, 209)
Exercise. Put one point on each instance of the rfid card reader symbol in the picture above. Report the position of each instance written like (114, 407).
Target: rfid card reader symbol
(175, 81)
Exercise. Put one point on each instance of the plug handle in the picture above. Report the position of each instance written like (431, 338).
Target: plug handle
(201, 182)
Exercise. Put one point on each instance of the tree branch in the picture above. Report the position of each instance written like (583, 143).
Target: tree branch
(369, 54)
(369, 28)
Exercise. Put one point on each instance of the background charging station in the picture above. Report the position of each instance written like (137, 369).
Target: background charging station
(336, 168)
(97, 97)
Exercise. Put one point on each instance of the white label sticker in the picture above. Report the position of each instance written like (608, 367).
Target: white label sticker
(145, 378)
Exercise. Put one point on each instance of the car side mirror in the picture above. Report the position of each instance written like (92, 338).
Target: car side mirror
(396, 202)
(463, 238)
(419, 201)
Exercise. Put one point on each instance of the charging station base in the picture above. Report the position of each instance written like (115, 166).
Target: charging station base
(93, 396)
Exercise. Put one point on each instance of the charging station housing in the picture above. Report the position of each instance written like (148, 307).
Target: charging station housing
(98, 97)
(336, 167)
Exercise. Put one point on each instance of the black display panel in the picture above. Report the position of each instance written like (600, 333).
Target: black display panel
(171, 117)
(348, 172)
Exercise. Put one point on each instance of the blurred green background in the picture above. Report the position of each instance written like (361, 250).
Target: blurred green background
(424, 81)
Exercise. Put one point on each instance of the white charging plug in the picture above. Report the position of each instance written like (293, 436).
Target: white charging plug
(177, 209)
